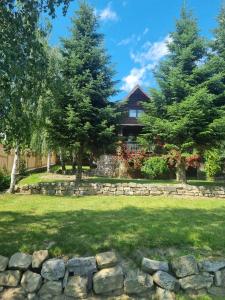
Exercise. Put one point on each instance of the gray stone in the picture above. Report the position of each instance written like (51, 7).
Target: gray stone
(137, 283)
(216, 291)
(13, 294)
(151, 266)
(165, 281)
(31, 281)
(32, 296)
(162, 294)
(106, 259)
(38, 258)
(10, 278)
(197, 282)
(108, 280)
(3, 263)
(21, 261)
(219, 278)
(53, 269)
(211, 265)
(82, 266)
(184, 266)
(76, 287)
(52, 288)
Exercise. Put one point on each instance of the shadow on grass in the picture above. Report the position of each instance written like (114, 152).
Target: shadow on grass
(90, 231)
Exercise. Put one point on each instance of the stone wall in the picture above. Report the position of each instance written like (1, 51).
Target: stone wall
(71, 188)
(105, 276)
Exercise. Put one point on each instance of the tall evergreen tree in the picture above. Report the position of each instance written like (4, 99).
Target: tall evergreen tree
(182, 114)
(84, 119)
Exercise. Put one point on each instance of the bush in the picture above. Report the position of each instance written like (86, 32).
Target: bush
(212, 163)
(4, 181)
(155, 167)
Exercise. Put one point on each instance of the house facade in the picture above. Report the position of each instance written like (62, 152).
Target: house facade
(131, 108)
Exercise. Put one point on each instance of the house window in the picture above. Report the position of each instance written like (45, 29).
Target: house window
(135, 113)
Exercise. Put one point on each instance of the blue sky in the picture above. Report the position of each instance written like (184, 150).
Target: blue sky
(136, 32)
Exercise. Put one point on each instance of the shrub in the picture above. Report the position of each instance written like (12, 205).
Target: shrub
(212, 163)
(4, 181)
(155, 166)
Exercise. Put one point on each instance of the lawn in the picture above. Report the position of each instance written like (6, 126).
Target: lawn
(52, 177)
(90, 224)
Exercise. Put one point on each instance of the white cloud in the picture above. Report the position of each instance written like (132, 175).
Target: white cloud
(134, 38)
(152, 51)
(146, 31)
(147, 59)
(107, 14)
(136, 76)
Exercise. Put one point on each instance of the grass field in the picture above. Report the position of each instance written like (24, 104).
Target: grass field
(52, 177)
(90, 224)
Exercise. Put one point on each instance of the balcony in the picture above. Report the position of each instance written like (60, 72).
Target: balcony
(133, 146)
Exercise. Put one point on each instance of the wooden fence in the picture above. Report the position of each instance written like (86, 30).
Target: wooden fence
(31, 161)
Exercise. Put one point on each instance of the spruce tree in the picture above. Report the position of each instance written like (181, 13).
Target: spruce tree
(182, 115)
(84, 119)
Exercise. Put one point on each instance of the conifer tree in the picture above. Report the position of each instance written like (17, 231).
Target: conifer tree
(182, 115)
(84, 119)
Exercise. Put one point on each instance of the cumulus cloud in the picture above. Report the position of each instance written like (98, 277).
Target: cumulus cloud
(147, 59)
(152, 51)
(108, 14)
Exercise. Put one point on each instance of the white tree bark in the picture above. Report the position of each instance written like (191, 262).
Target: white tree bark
(14, 170)
(49, 162)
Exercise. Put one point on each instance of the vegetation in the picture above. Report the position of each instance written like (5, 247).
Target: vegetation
(4, 180)
(212, 163)
(187, 115)
(91, 224)
(155, 166)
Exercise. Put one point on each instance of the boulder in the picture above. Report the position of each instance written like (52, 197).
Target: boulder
(10, 278)
(211, 265)
(106, 259)
(219, 278)
(32, 296)
(82, 266)
(53, 269)
(165, 281)
(162, 294)
(38, 258)
(184, 266)
(31, 281)
(3, 263)
(138, 283)
(13, 294)
(197, 282)
(76, 287)
(217, 291)
(50, 288)
(108, 280)
(151, 266)
(21, 261)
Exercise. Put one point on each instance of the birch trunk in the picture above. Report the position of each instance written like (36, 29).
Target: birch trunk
(14, 170)
(49, 162)
(62, 161)
(79, 165)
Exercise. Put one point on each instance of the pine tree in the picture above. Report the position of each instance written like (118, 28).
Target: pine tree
(182, 115)
(84, 119)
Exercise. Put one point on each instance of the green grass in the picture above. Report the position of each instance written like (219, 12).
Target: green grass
(44, 177)
(90, 224)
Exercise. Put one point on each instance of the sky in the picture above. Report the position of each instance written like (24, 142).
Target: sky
(136, 33)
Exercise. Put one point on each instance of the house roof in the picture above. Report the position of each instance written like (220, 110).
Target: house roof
(134, 98)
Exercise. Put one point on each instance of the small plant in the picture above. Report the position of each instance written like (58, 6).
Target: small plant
(4, 180)
(155, 166)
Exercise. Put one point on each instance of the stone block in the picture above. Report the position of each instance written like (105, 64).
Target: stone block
(31, 281)
(82, 266)
(76, 287)
(184, 266)
(10, 278)
(151, 266)
(106, 259)
(3, 263)
(197, 282)
(38, 258)
(166, 281)
(21, 261)
(53, 269)
(138, 283)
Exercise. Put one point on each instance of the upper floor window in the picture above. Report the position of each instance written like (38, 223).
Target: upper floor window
(135, 113)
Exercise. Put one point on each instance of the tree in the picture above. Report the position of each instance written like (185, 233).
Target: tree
(22, 66)
(182, 116)
(84, 119)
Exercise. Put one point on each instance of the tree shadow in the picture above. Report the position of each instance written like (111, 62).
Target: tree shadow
(129, 228)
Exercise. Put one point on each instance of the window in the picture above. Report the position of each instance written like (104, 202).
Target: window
(135, 113)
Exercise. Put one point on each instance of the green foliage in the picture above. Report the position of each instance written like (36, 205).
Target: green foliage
(155, 167)
(4, 180)
(212, 162)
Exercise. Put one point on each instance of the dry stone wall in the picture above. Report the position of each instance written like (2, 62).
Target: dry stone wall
(131, 189)
(105, 276)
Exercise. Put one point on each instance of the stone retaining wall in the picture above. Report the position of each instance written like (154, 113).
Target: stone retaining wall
(71, 188)
(105, 276)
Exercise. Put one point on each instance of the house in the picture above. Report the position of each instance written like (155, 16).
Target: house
(131, 108)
